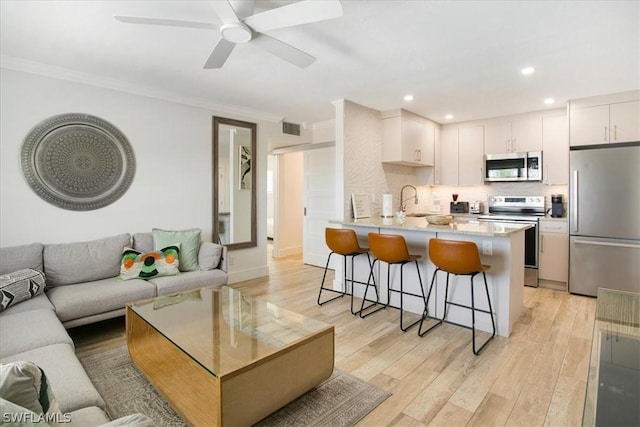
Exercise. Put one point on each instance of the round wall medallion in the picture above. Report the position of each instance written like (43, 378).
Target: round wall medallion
(77, 161)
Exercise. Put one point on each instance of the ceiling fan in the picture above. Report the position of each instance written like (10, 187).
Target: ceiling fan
(240, 25)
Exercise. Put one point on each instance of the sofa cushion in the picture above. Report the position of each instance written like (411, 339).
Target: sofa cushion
(18, 257)
(70, 263)
(25, 384)
(189, 281)
(27, 330)
(16, 415)
(20, 286)
(138, 265)
(39, 302)
(101, 296)
(189, 245)
(66, 375)
(90, 416)
(142, 242)
(209, 255)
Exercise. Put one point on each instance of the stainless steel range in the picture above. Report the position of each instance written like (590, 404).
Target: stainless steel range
(520, 209)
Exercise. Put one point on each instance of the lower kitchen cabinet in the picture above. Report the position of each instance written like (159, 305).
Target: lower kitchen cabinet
(554, 252)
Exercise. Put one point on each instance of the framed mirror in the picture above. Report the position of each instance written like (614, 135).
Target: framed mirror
(234, 183)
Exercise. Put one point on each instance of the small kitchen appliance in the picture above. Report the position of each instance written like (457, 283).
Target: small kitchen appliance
(459, 207)
(476, 207)
(557, 207)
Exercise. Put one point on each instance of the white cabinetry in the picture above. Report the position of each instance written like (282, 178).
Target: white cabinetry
(604, 124)
(555, 150)
(461, 158)
(407, 139)
(513, 134)
(554, 251)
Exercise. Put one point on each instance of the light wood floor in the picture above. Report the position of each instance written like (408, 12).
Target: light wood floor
(536, 377)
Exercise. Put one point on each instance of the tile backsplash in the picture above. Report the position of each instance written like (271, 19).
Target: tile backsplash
(437, 198)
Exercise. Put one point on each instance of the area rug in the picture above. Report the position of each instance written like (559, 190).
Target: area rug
(341, 400)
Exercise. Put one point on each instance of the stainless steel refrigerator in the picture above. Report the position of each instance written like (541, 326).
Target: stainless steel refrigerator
(604, 218)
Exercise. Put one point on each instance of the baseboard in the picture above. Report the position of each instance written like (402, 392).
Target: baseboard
(248, 274)
(294, 250)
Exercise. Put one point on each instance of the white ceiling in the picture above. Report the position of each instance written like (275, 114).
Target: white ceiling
(455, 57)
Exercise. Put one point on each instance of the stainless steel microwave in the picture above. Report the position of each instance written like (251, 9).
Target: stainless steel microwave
(523, 166)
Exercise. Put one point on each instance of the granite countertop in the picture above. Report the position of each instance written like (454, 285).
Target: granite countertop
(458, 226)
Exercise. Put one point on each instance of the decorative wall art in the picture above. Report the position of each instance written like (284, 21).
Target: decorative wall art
(361, 206)
(77, 161)
(245, 167)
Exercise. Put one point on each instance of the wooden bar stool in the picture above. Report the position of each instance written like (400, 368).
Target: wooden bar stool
(459, 258)
(392, 249)
(343, 241)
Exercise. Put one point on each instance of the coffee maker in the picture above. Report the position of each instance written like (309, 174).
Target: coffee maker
(557, 207)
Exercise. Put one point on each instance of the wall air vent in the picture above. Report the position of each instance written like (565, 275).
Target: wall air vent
(290, 128)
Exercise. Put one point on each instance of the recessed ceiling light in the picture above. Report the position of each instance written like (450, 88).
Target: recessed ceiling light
(549, 101)
(527, 71)
(449, 116)
(408, 98)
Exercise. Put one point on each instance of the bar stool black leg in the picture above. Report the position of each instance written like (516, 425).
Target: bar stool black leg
(322, 288)
(425, 314)
(402, 327)
(366, 291)
(473, 317)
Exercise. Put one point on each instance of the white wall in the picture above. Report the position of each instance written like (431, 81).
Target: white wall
(172, 187)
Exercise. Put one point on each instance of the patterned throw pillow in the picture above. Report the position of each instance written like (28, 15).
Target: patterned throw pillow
(20, 286)
(138, 265)
(25, 384)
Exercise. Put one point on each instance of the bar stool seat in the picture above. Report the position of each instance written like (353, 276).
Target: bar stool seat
(392, 249)
(458, 258)
(344, 242)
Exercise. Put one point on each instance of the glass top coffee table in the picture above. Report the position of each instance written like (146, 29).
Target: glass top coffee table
(220, 357)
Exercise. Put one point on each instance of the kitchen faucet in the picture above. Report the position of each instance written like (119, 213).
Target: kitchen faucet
(402, 199)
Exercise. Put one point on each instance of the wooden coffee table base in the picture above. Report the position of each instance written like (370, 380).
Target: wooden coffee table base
(239, 398)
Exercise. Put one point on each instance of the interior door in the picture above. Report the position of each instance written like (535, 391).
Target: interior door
(319, 202)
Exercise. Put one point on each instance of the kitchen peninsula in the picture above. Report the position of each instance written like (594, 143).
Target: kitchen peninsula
(501, 245)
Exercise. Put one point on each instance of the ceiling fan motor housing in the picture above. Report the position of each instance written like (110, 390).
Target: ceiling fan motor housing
(235, 32)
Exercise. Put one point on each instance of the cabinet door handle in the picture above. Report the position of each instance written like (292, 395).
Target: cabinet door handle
(481, 176)
(605, 133)
(506, 146)
(419, 155)
(542, 243)
(514, 146)
(615, 132)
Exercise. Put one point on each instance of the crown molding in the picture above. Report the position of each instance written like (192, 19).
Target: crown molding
(33, 67)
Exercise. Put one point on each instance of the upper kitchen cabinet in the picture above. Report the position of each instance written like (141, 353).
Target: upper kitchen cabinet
(470, 158)
(407, 139)
(555, 149)
(513, 134)
(461, 157)
(603, 120)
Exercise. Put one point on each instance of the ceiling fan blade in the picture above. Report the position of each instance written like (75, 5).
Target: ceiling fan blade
(219, 54)
(302, 12)
(166, 22)
(224, 11)
(283, 50)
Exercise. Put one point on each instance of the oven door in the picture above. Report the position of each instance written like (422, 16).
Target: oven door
(530, 250)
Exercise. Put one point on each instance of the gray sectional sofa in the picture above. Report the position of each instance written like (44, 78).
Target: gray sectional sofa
(82, 286)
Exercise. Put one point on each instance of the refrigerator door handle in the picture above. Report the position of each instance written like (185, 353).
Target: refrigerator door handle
(574, 201)
(598, 243)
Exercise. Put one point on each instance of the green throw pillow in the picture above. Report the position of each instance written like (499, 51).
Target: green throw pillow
(138, 265)
(189, 245)
(25, 384)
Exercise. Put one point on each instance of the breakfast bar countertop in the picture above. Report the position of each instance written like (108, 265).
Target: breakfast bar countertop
(457, 226)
